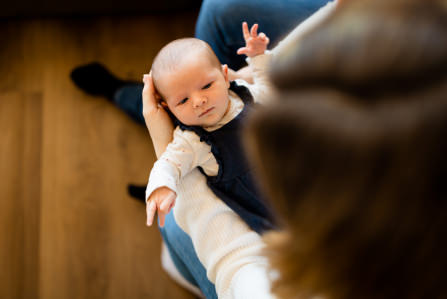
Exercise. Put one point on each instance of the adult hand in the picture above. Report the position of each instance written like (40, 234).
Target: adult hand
(157, 120)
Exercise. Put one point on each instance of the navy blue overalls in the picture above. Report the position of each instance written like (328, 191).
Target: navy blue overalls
(234, 183)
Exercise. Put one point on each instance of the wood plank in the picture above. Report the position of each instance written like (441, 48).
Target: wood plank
(68, 227)
(20, 124)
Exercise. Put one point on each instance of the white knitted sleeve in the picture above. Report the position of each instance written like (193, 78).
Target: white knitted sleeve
(224, 243)
(183, 154)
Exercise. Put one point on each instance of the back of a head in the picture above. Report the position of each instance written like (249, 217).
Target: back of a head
(361, 193)
(354, 157)
(370, 48)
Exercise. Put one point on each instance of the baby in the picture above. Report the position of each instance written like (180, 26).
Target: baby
(208, 111)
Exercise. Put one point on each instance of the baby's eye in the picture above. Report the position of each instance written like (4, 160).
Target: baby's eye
(207, 86)
(183, 101)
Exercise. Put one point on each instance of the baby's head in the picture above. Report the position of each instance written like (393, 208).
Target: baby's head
(192, 82)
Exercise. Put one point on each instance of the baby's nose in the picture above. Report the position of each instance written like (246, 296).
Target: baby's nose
(199, 101)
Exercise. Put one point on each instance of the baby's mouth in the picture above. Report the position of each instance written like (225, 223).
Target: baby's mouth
(206, 111)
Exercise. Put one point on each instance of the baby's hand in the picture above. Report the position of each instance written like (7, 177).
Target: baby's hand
(255, 44)
(162, 199)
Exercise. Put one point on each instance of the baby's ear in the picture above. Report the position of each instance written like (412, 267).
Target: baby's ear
(225, 73)
(163, 104)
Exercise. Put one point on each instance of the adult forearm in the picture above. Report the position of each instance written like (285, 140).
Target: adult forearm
(304, 27)
(161, 134)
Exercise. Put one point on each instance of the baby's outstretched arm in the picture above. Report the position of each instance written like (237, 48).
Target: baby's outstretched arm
(160, 128)
(161, 200)
(255, 44)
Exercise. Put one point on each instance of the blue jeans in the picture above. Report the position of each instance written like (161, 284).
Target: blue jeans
(220, 24)
(128, 98)
(184, 257)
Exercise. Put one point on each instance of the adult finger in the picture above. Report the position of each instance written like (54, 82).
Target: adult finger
(148, 93)
(151, 208)
(245, 30)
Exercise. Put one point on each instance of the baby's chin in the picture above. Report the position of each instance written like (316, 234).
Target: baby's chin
(201, 124)
(204, 123)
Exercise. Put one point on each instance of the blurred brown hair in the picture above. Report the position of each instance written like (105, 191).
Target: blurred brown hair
(370, 48)
(354, 156)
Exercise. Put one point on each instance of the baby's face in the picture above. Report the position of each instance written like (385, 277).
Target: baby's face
(196, 92)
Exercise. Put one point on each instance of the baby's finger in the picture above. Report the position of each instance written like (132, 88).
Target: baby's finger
(164, 207)
(254, 30)
(171, 206)
(264, 37)
(151, 208)
(243, 50)
(245, 31)
(161, 219)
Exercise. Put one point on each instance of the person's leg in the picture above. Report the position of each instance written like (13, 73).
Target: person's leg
(220, 23)
(128, 98)
(184, 256)
(95, 79)
(170, 268)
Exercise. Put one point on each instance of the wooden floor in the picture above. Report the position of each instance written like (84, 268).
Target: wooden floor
(68, 229)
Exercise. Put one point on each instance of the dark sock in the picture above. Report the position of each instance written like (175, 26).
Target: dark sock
(95, 79)
(137, 192)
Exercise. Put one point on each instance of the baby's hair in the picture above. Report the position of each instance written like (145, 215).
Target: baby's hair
(173, 54)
